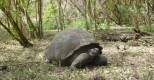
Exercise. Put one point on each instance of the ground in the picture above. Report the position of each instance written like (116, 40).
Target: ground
(133, 60)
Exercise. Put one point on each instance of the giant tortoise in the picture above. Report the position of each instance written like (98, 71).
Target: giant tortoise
(75, 48)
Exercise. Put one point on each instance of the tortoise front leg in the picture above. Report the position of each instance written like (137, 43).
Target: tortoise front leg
(80, 61)
(100, 60)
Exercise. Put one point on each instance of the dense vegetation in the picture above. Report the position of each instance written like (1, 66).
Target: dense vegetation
(27, 19)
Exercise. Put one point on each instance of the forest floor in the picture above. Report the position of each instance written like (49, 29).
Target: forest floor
(133, 60)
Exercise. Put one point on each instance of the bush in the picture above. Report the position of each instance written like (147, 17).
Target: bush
(149, 28)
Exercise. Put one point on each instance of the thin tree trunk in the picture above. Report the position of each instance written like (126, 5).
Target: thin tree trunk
(85, 15)
(95, 16)
(60, 15)
(40, 28)
(149, 16)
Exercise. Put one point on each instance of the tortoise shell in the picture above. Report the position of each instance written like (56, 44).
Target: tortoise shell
(67, 42)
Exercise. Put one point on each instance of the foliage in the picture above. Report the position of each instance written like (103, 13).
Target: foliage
(77, 23)
(149, 28)
(49, 19)
(89, 14)
(105, 26)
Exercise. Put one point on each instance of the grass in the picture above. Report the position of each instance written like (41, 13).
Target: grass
(135, 63)
(4, 35)
(149, 28)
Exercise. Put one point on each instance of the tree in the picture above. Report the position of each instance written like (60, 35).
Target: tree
(18, 35)
(40, 28)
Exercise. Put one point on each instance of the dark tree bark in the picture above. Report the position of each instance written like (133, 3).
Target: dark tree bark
(40, 28)
(21, 38)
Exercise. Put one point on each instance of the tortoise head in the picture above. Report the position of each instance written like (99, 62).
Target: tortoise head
(94, 52)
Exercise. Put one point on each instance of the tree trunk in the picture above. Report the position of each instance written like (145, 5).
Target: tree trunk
(40, 28)
(60, 15)
(22, 39)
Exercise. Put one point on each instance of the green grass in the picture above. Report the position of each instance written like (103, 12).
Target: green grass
(149, 28)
